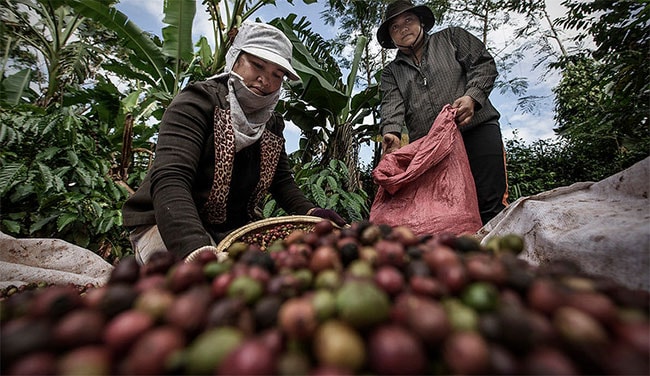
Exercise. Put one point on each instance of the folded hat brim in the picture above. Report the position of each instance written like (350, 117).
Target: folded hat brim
(275, 59)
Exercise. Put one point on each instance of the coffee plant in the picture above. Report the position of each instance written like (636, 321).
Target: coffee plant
(55, 181)
(326, 187)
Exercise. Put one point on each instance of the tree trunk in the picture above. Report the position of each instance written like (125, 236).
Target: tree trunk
(343, 147)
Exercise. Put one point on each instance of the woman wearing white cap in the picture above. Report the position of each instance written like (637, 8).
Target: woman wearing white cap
(220, 151)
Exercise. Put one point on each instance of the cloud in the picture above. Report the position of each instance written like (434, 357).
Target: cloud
(202, 26)
(148, 15)
(291, 136)
(528, 127)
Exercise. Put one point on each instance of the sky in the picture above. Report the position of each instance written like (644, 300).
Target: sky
(148, 15)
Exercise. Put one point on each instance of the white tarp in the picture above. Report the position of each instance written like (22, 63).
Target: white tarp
(23, 261)
(603, 227)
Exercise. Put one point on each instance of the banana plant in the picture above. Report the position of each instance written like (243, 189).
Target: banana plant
(44, 35)
(324, 106)
(226, 16)
(157, 64)
(167, 65)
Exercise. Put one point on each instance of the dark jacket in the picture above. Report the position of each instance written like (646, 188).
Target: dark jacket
(186, 196)
(454, 63)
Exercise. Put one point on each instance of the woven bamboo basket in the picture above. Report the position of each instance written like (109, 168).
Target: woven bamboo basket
(257, 232)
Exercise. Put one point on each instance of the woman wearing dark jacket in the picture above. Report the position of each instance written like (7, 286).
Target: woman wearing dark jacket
(220, 151)
(430, 71)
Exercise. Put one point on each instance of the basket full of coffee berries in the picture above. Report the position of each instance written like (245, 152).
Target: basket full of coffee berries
(266, 231)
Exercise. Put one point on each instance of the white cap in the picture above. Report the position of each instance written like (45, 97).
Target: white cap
(264, 41)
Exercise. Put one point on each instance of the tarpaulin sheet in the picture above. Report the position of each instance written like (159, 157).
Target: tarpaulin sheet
(602, 227)
(24, 261)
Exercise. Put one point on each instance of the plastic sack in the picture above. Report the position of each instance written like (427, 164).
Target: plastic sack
(427, 185)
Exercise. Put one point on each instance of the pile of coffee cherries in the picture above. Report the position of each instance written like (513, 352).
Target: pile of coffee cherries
(368, 299)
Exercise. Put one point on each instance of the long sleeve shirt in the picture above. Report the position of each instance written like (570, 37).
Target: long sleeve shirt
(189, 166)
(454, 63)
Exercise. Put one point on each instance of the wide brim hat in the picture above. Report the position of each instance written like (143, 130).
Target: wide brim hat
(396, 8)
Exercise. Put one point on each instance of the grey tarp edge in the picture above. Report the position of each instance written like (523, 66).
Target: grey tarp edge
(603, 227)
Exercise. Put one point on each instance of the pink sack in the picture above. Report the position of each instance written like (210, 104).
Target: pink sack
(428, 185)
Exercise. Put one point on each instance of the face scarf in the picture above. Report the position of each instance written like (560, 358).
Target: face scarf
(249, 111)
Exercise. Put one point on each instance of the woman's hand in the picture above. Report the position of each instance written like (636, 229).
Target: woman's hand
(465, 110)
(390, 143)
(221, 256)
(327, 214)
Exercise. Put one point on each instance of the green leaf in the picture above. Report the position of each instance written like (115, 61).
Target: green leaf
(358, 54)
(362, 41)
(114, 191)
(98, 210)
(105, 225)
(46, 176)
(48, 153)
(204, 51)
(367, 98)
(64, 219)
(351, 200)
(11, 226)
(72, 157)
(57, 183)
(269, 207)
(84, 176)
(320, 180)
(333, 201)
(317, 90)
(21, 191)
(139, 41)
(319, 196)
(130, 101)
(177, 35)
(8, 135)
(333, 184)
(62, 171)
(9, 174)
(40, 223)
(15, 86)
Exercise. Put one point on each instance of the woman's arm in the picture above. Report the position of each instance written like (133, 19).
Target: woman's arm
(477, 62)
(392, 104)
(186, 125)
